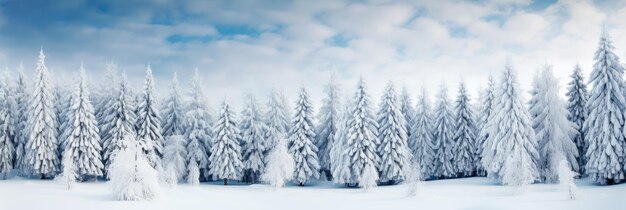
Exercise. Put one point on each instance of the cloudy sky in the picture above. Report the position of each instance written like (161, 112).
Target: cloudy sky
(252, 46)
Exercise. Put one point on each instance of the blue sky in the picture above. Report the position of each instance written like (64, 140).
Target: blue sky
(254, 46)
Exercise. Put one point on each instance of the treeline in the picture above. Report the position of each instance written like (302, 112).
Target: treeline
(501, 136)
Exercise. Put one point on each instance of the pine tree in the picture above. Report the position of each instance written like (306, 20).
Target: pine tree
(149, 123)
(173, 113)
(132, 177)
(393, 148)
(174, 153)
(119, 123)
(552, 129)
(327, 127)
(68, 176)
(276, 119)
(198, 126)
(253, 143)
(465, 156)
(577, 98)
(225, 156)
(20, 120)
(421, 140)
(7, 149)
(83, 143)
(407, 109)
(362, 137)
(340, 161)
(605, 123)
(443, 136)
(41, 148)
(61, 108)
(510, 149)
(301, 138)
(105, 104)
(486, 113)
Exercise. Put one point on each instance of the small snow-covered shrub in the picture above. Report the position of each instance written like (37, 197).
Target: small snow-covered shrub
(68, 176)
(369, 178)
(280, 165)
(174, 159)
(414, 179)
(566, 179)
(132, 176)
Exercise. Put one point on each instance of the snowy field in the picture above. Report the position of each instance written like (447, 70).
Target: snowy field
(468, 193)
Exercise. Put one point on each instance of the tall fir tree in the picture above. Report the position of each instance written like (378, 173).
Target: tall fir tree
(487, 101)
(407, 109)
(83, 143)
(253, 143)
(511, 139)
(577, 97)
(327, 128)
(466, 157)
(119, 123)
(173, 111)
(104, 104)
(421, 141)
(225, 156)
(61, 107)
(605, 123)
(22, 98)
(41, 149)
(301, 141)
(276, 119)
(148, 122)
(443, 136)
(340, 162)
(7, 147)
(393, 146)
(362, 132)
(552, 129)
(198, 125)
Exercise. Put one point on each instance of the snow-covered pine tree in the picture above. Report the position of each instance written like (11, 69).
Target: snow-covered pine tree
(225, 156)
(198, 125)
(487, 101)
(280, 164)
(61, 109)
(369, 178)
(511, 140)
(407, 109)
(132, 176)
(553, 131)
(577, 97)
(253, 145)
(68, 175)
(173, 111)
(466, 157)
(301, 138)
(149, 122)
(327, 128)
(276, 118)
(443, 136)
(361, 141)
(7, 149)
(414, 179)
(605, 123)
(83, 141)
(104, 106)
(421, 140)
(566, 178)
(41, 148)
(20, 120)
(174, 153)
(119, 123)
(393, 146)
(340, 161)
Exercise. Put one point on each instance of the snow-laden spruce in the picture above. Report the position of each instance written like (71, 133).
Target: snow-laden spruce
(280, 164)
(7, 148)
(174, 161)
(149, 122)
(566, 179)
(361, 141)
(340, 161)
(393, 146)
(487, 100)
(407, 109)
(253, 143)
(62, 100)
(276, 118)
(83, 141)
(510, 149)
(106, 100)
(327, 127)
(443, 136)
(119, 123)
(41, 148)
(553, 131)
(22, 97)
(132, 176)
(466, 157)
(577, 98)
(68, 175)
(225, 152)
(421, 140)
(198, 125)
(301, 138)
(605, 123)
(173, 111)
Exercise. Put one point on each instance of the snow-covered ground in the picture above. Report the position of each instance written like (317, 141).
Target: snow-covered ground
(468, 193)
